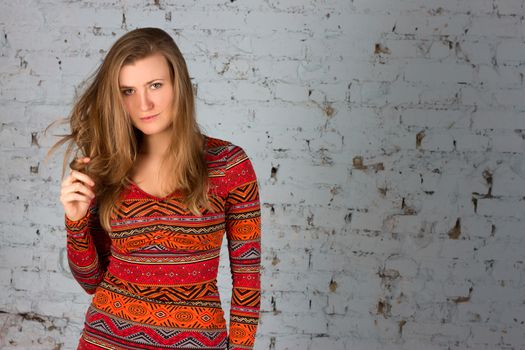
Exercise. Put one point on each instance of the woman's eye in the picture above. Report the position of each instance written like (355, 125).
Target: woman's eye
(156, 85)
(127, 92)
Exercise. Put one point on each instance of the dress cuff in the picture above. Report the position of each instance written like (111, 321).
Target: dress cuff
(73, 227)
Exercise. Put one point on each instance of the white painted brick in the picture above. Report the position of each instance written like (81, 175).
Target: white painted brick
(432, 25)
(494, 27)
(510, 97)
(23, 14)
(442, 142)
(469, 143)
(16, 257)
(327, 343)
(292, 341)
(438, 72)
(82, 17)
(498, 207)
(439, 50)
(477, 52)
(501, 76)
(281, 44)
(508, 143)
(435, 118)
(498, 120)
(510, 7)
(442, 95)
(507, 230)
(29, 280)
(252, 91)
(5, 277)
(425, 6)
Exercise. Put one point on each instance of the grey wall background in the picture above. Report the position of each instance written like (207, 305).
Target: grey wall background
(388, 138)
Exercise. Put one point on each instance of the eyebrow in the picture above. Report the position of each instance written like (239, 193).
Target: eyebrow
(123, 87)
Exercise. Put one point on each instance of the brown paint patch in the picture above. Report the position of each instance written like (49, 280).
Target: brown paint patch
(377, 167)
(328, 109)
(419, 137)
(273, 174)
(455, 232)
(275, 260)
(401, 324)
(379, 49)
(388, 274)
(487, 175)
(274, 307)
(383, 308)
(34, 139)
(31, 316)
(333, 286)
(357, 162)
(406, 209)
(463, 299)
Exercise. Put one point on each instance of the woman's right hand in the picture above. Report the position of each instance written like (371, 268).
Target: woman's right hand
(76, 193)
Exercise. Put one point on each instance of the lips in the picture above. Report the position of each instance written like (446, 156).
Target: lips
(148, 118)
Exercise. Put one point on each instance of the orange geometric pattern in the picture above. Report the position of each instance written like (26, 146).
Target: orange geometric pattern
(154, 277)
(163, 315)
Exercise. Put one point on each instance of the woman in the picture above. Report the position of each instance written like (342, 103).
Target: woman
(147, 208)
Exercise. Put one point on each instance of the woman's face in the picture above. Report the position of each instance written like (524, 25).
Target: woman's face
(147, 92)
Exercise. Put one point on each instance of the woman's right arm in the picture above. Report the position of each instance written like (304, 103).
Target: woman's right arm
(88, 249)
(88, 244)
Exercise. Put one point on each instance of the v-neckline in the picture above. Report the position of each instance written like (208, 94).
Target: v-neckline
(160, 199)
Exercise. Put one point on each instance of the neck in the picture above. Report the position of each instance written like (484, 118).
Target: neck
(156, 145)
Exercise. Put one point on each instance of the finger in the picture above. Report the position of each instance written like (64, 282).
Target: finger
(78, 187)
(82, 177)
(74, 197)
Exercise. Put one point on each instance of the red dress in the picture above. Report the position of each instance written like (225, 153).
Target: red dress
(154, 277)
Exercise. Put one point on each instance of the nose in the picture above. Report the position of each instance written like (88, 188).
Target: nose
(145, 102)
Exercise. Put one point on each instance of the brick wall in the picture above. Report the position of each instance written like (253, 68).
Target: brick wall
(388, 138)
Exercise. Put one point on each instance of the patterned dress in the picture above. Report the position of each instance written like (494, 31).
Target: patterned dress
(154, 278)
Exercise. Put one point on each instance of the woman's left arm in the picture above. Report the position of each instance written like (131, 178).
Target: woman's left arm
(243, 229)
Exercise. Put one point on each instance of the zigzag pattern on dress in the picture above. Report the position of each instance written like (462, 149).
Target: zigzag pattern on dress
(156, 227)
(148, 208)
(194, 303)
(236, 156)
(171, 241)
(216, 203)
(167, 257)
(252, 253)
(246, 297)
(244, 193)
(242, 216)
(158, 337)
(190, 292)
(80, 245)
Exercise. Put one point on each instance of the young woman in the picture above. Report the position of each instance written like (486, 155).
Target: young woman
(147, 206)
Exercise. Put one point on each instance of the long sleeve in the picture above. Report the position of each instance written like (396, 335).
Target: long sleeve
(88, 248)
(243, 230)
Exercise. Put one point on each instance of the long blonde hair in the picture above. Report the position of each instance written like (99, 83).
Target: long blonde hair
(101, 129)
